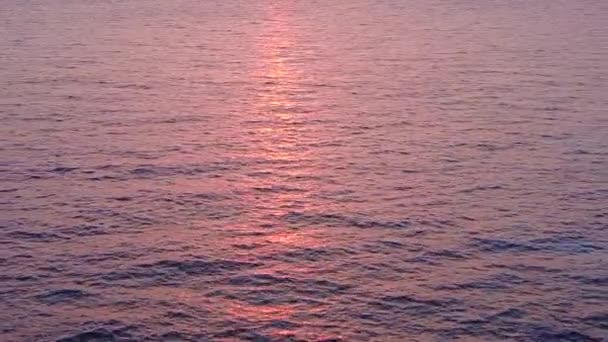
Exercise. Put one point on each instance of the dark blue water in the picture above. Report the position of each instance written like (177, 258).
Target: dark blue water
(289, 170)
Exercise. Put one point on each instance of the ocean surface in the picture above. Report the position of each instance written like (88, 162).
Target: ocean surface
(301, 170)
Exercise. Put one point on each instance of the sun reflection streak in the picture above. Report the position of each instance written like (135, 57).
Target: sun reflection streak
(278, 149)
(278, 133)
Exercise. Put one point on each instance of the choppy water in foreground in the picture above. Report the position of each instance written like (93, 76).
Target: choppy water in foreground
(290, 170)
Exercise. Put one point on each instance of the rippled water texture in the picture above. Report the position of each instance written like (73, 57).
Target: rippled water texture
(292, 170)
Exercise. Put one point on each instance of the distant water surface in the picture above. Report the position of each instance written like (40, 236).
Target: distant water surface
(291, 170)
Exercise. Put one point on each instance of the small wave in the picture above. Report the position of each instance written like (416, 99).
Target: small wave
(112, 331)
(63, 169)
(547, 335)
(509, 313)
(554, 244)
(259, 280)
(481, 188)
(36, 237)
(410, 305)
(243, 334)
(333, 220)
(408, 300)
(498, 246)
(59, 296)
(311, 254)
(497, 282)
(316, 287)
(592, 280)
(152, 171)
(97, 335)
(171, 271)
(599, 320)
